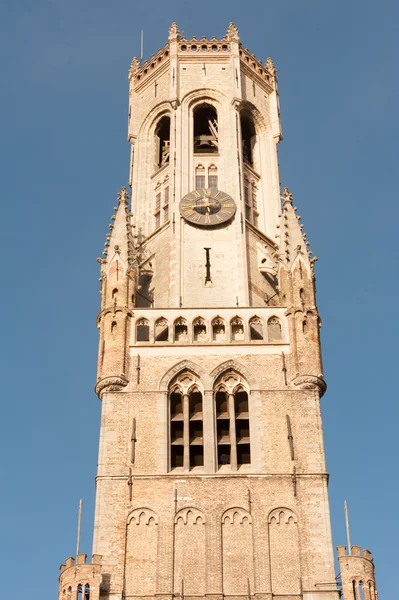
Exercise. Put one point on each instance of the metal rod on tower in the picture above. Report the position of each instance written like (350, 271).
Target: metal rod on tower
(348, 536)
(141, 46)
(79, 523)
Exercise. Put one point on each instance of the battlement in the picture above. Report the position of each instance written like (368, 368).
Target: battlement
(80, 580)
(355, 551)
(197, 49)
(357, 573)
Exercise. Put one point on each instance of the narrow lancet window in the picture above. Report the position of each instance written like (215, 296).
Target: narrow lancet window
(200, 178)
(274, 332)
(237, 329)
(256, 328)
(199, 330)
(196, 429)
(361, 591)
(232, 426)
(176, 429)
(87, 592)
(223, 428)
(242, 427)
(186, 425)
(213, 178)
(142, 330)
(161, 330)
(181, 330)
(218, 330)
(166, 205)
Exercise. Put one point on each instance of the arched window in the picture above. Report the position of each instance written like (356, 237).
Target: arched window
(237, 329)
(199, 330)
(274, 332)
(200, 178)
(218, 330)
(256, 328)
(248, 137)
(162, 141)
(79, 594)
(186, 423)
(361, 591)
(213, 177)
(142, 330)
(232, 422)
(372, 594)
(355, 596)
(114, 326)
(251, 200)
(181, 330)
(161, 330)
(115, 294)
(87, 592)
(69, 594)
(205, 129)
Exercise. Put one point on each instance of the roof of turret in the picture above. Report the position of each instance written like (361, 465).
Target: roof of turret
(292, 241)
(120, 241)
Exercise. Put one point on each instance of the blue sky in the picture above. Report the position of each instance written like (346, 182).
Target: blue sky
(64, 157)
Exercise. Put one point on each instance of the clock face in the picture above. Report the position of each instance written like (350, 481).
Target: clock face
(207, 207)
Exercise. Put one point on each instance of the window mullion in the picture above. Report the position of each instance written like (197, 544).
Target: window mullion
(233, 437)
(186, 432)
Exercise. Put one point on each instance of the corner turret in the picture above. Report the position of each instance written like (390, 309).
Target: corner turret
(118, 286)
(80, 579)
(298, 293)
(357, 574)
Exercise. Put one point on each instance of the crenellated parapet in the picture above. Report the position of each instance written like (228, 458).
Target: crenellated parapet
(357, 574)
(266, 72)
(194, 48)
(80, 580)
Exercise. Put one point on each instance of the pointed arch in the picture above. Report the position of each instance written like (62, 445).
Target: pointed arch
(184, 365)
(200, 330)
(256, 328)
(190, 514)
(180, 328)
(240, 369)
(142, 516)
(237, 328)
(274, 329)
(236, 515)
(218, 329)
(247, 108)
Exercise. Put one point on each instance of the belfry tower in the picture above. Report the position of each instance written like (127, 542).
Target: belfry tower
(211, 478)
